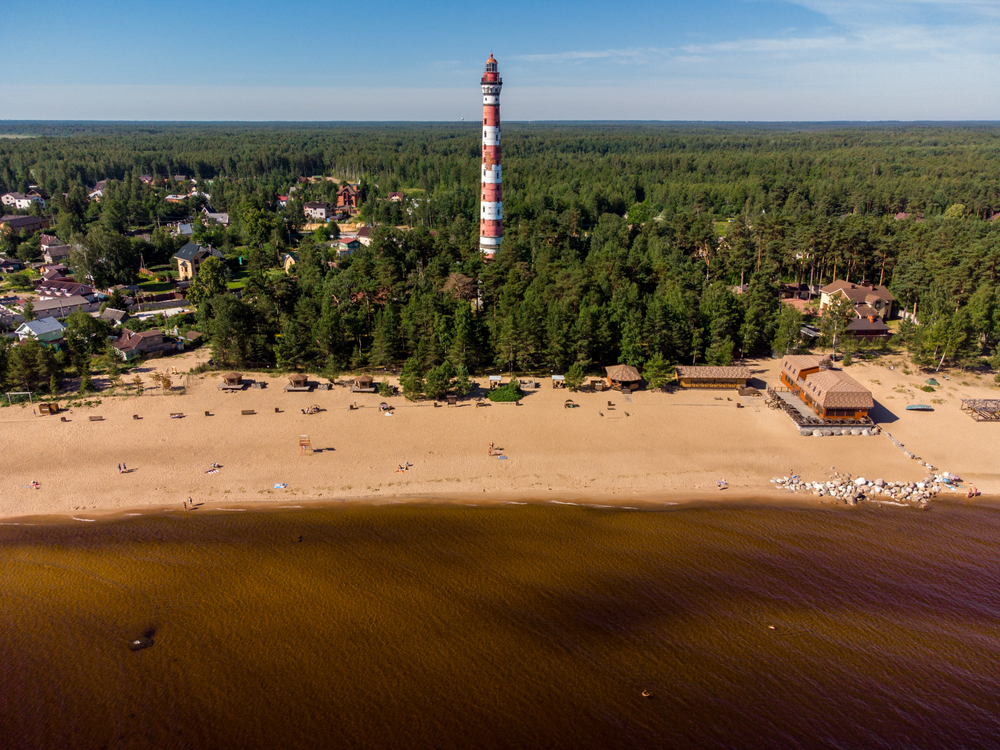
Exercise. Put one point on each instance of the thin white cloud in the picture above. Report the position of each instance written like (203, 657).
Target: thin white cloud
(635, 55)
(770, 46)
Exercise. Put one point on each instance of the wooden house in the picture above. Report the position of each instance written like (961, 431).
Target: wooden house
(832, 394)
(709, 376)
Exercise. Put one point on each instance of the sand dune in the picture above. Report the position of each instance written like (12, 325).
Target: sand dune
(669, 446)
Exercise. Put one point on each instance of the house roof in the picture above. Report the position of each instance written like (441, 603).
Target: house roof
(42, 326)
(190, 251)
(110, 313)
(130, 339)
(623, 373)
(15, 221)
(734, 372)
(794, 364)
(49, 239)
(864, 325)
(833, 389)
(859, 292)
(61, 304)
(319, 204)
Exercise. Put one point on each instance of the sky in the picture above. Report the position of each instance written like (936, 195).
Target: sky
(309, 60)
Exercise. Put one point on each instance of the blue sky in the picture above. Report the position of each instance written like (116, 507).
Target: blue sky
(390, 60)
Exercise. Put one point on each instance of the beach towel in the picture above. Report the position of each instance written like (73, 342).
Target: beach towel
(502, 458)
(212, 471)
(281, 486)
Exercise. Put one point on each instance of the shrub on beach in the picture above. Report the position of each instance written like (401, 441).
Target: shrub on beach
(510, 392)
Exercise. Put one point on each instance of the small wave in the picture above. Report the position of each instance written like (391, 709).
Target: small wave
(17, 524)
(289, 506)
(135, 514)
(559, 502)
(88, 520)
(237, 510)
(514, 502)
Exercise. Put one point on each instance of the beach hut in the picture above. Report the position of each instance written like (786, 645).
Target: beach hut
(232, 381)
(363, 384)
(623, 376)
(298, 382)
(558, 381)
(495, 381)
(702, 376)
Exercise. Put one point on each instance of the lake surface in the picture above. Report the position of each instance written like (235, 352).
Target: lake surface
(518, 626)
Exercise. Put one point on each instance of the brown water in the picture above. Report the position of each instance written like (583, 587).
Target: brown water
(521, 626)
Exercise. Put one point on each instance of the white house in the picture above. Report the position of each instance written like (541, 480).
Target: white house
(20, 200)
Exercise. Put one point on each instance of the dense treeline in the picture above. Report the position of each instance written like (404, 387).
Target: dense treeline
(623, 242)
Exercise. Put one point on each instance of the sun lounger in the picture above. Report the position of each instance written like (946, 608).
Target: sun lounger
(247, 412)
(176, 415)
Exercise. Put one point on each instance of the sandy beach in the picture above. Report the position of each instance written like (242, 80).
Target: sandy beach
(656, 448)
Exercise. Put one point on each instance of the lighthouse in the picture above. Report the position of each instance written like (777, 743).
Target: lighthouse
(491, 195)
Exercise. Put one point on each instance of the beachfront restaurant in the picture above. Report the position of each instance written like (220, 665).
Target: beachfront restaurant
(832, 394)
(707, 376)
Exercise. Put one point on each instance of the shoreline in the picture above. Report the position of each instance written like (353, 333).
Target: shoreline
(646, 503)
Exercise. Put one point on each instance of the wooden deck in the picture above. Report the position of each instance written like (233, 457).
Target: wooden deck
(982, 409)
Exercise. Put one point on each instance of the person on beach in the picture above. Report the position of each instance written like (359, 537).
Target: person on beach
(119, 468)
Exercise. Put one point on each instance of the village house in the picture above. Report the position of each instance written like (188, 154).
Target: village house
(46, 330)
(832, 394)
(282, 201)
(869, 300)
(113, 316)
(146, 179)
(287, 261)
(147, 343)
(21, 201)
(13, 223)
(61, 287)
(212, 217)
(365, 236)
(395, 197)
(190, 257)
(10, 265)
(60, 307)
(319, 210)
(348, 197)
(347, 246)
(175, 198)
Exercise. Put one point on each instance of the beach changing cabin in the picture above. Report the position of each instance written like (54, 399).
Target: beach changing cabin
(298, 382)
(232, 381)
(708, 376)
(363, 384)
(623, 376)
(832, 394)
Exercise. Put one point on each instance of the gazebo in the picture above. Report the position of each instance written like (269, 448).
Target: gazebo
(297, 382)
(623, 376)
(232, 381)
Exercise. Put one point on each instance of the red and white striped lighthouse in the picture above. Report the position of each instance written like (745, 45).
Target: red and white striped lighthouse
(491, 203)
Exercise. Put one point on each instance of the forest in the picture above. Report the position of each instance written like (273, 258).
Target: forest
(649, 244)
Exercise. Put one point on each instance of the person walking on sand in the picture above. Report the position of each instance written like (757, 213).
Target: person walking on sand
(119, 468)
